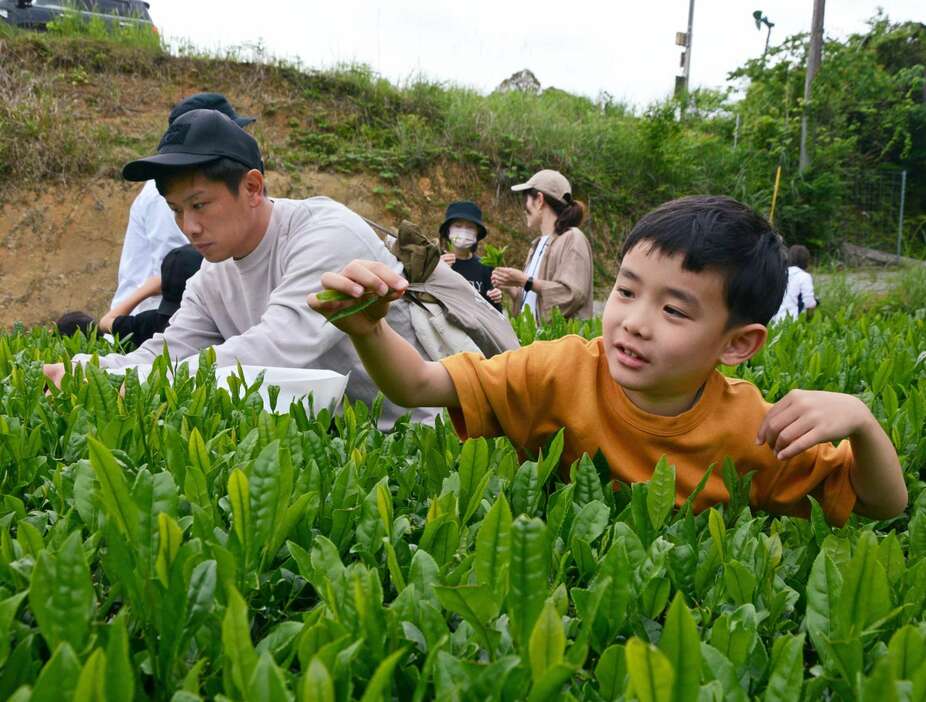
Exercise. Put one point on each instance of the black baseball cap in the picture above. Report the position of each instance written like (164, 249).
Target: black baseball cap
(196, 138)
(208, 101)
(178, 266)
(467, 210)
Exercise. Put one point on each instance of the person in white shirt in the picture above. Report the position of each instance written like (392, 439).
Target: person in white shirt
(799, 296)
(152, 232)
(262, 257)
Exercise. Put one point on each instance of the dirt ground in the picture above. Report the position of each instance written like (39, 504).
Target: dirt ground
(59, 249)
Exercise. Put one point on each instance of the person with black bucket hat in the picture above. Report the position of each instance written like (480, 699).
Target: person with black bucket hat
(178, 266)
(460, 234)
(263, 257)
(151, 231)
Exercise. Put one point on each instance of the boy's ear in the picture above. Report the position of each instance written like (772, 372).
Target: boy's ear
(743, 343)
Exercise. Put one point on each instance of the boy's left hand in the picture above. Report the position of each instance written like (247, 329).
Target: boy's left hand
(805, 418)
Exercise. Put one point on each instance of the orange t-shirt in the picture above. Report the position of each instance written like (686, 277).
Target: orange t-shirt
(530, 393)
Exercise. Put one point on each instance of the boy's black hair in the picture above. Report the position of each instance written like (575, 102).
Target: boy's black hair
(70, 322)
(799, 256)
(719, 233)
(222, 170)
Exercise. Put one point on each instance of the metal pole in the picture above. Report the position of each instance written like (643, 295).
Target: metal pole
(903, 192)
(688, 46)
(814, 53)
(736, 131)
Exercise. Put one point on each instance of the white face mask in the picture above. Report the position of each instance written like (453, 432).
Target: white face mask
(462, 237)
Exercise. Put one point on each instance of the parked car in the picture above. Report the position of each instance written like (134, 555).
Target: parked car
(36, 14)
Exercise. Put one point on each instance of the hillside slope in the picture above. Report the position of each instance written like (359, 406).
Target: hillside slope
(72, 111)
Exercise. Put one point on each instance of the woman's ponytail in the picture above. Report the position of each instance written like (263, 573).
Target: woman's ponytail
(569, 213)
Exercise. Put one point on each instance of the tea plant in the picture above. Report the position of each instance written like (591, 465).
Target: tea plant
(171, 540)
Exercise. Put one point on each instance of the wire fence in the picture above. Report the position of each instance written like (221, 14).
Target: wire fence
(878, 199)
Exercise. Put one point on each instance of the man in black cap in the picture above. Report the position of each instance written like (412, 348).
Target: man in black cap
(152, 231)
(262, 258)
(178, 266)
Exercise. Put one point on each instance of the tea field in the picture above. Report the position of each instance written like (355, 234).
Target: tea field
(177, 542)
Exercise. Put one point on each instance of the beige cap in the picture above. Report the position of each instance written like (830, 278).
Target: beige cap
(549, 182)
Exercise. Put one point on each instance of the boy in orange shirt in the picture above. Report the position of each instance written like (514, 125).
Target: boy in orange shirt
(700, 277)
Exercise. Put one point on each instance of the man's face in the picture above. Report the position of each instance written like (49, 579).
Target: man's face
(217, 223)
(664, 329)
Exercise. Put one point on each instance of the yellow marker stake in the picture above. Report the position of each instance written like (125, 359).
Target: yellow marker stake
(771, 214)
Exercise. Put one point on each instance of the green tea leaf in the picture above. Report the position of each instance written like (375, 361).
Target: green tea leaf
(493, 548)
(528, 576)
(681, 645)
(547, 641)
(651, 674)
(660, 496)
(611, 672)
(58, 679)
(382, 678)
(91, 685)
(236, 640)
(787, 674)
(317, 685)
(114, 490)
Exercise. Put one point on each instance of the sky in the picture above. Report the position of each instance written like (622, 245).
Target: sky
(623, 47)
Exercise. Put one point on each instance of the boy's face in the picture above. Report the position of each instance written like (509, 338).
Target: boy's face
(217, 223)
(665, 330)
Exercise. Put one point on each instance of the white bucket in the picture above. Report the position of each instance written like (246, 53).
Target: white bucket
(326, 387)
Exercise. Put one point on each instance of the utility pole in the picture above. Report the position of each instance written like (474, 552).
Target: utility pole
(814, 54)
(681, 82)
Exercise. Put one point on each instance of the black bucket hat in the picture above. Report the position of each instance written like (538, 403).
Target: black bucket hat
(465, 210)
(195, 138)
(208, 101)
(178, 266)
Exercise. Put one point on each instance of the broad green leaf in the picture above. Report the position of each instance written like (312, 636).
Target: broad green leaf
(739, 581)
(236, 641)
(477, 604)
(382, 678)
(907, 652)
(660, 495)
(114, 490)
(681, 645)
(787, 673)
(91, 685)
(198, 454)
(866, 594)
(58, 679)
(718, 532)
(880, 685)
(240, 506)
(493, 548)
(120, 676)
(590, 522)
(549, 687)
(317, 685)
(823, 589)
(270, 485)
(267, 683)
(8, 609)
(528, 576)
(169, 539)
(611, 672)
(61, 595)
(587, 483)
(651, 676)
(474, 476)
(547, 641)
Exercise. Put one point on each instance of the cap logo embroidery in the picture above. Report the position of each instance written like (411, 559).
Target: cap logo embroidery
(175, 134)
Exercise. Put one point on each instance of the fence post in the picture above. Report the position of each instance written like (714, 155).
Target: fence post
(903, 192)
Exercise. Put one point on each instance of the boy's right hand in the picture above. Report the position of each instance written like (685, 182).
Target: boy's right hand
(449, 258)
(359, 279)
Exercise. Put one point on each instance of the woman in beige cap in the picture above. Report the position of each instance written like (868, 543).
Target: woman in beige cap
(558, 272)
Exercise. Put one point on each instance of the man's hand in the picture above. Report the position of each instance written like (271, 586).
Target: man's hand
(106, 322)
(359, 279)
(805, 418)
(508, 278)
(495, 295)
(54, 372)
(449, 258)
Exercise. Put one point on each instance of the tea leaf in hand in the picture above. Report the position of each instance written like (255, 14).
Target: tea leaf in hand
(353, 309)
